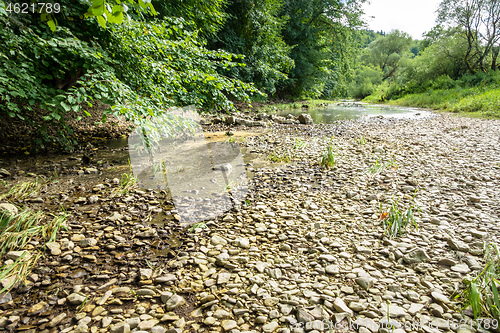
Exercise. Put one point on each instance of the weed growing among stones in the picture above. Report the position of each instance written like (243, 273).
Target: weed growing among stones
(396, 220)
(481, 292)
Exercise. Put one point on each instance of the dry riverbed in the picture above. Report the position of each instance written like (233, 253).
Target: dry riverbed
(305, 251)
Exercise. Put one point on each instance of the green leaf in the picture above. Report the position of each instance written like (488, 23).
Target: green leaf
(475, 300)
(51, 23)
(102, 21)
(65, 106)
(117, 16)
(98, 9)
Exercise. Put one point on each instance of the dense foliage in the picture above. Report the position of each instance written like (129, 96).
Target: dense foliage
(454, 67)
(143, 56)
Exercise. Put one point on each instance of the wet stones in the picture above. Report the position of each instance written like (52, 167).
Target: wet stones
(305, 119)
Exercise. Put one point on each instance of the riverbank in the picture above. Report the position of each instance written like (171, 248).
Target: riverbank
(475, 102)
(305, 246)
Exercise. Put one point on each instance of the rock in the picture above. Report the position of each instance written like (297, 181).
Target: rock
(5, 298)
(115, 217)
(54, 247)
(332, 269)
(88, 242)
(356, 306)
(221, 314)
(415, 308)
(145, 273)
(365, 282)
(438, 297)
(145, 292)
(217, 240)
(76, 298)
(271, 327)
(243, 243)
(303, 316)
(8, 209)
(416, 256)
(148, 233)
(91, 171)
(447, 262)
(461, 268)
(106, 321)
(458, 245)
(56, 320)
(133, 322)
(15, 255)
(271, 301)
(121, 327)
(174, 302)
(305, 119)
(223, 277)
(37, 308)
(340, 306)
(395, 311)
(158, 329)
(228, 324)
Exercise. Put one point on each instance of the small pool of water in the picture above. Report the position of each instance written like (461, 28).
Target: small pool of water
(334, 112)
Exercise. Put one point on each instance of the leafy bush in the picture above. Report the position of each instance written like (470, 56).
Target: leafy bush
(487, 102)
(139, 68)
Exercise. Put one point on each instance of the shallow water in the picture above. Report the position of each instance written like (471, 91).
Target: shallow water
(334, 112)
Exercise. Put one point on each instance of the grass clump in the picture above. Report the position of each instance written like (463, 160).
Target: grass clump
(24, 190)
(481, 292)
(329, 158)
(396, 220)
(299, 144)
(275, 158)
(127, 183)
(16, 230)
(378, 167)
(361, 140)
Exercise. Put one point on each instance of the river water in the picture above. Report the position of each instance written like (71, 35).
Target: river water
(355, 110)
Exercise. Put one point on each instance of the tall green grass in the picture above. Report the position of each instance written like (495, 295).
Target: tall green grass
(329, 158)
(483, 101)
(481, 292)
(396, 220)
(15, 233)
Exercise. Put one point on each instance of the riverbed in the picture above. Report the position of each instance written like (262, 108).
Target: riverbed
(306, 245)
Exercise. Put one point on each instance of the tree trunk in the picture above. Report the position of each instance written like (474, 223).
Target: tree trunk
(494, 57)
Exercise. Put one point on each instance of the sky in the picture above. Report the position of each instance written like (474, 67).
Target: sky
(412, 16)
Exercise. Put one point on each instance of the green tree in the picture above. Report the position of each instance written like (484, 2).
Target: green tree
(253, 29)
(388, 51)
(138, 67)
(479, 22)
(208, 15)
(322, 34)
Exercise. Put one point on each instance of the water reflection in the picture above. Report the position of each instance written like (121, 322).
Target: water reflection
(204, 179)
(335, 112)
